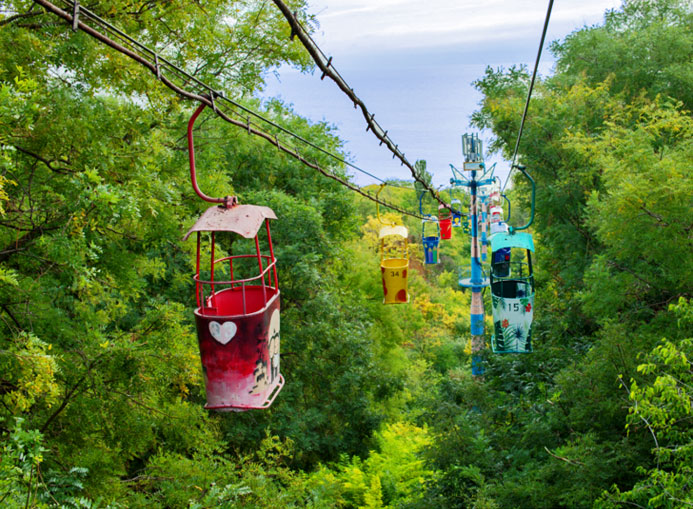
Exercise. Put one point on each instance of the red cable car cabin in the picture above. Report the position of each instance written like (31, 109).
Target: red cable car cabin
(238, 319)
(445, 222)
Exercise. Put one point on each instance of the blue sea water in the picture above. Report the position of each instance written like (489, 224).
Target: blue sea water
(423, 98)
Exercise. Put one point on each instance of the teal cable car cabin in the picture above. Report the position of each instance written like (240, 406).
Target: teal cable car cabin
(512, 292)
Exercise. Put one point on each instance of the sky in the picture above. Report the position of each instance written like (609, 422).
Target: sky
(413, 63)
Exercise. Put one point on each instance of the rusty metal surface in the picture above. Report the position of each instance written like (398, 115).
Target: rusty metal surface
(400, 231)
(240, 358)
(244, 220)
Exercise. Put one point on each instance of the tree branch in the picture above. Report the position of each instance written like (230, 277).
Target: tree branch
(659, 218)
(29, 14)
(632, 273)
(4, 307)
(567, 460)
(19, 244)
(45, 161)
(70, 394)
(139, 403)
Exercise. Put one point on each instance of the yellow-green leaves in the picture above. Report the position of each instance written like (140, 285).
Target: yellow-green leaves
(28, 372)
(392, 476)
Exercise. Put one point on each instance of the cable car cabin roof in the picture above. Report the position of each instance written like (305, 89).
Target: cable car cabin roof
(400, 231)
(521, 240)
(245, 220)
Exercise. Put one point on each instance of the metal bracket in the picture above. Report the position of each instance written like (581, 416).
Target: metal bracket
(327, 66)
(75, 16)
(230, 202)
(158, 69)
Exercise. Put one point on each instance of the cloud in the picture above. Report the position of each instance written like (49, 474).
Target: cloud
(358, 25)
(412, 62)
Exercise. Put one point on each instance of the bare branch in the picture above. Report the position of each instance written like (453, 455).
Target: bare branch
(45, 161)
(567, 460)
(11, 19)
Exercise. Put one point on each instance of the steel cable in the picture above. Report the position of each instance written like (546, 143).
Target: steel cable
(163, 62)
(325, 65)
(529, 94)
(208, 98)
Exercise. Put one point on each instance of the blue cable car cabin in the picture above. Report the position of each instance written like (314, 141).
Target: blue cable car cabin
(430, 241)
(512, 292)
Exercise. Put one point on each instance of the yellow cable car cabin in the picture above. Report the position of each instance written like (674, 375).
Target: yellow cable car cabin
(394, 263)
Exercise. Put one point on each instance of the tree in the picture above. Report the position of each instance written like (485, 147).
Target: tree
(605, 150)
(662, 406)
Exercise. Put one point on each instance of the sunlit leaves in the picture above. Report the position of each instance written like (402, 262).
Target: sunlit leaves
(391, 476)
(28, 373)
(662, 404)
(644, 47)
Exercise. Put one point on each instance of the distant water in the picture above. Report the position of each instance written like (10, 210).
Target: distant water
(422, 96)
(423, 99)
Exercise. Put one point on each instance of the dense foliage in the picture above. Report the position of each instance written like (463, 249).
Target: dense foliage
(100, 383)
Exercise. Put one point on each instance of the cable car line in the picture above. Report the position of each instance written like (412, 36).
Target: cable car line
(512, 282)
(77, 9)
(209, 97)
(513, 164)
(325, 64)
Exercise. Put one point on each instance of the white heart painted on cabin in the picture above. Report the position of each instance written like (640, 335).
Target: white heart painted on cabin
(223, 332)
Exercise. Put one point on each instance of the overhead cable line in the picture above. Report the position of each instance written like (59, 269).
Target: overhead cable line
(325, 65)
(156, 64)
(529, 95)
(161, 61)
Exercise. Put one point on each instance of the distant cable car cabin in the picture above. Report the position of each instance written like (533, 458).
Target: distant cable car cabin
(512, 292)
(456, 205)
(445, 222)
(496, 214)
(495, 197)
(512, 284)
(394, 259)
(429, 239)
(499, 226)
(237, 314)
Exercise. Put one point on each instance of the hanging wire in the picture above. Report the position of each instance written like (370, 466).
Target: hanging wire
(529, 95)
(136, 45)
(325, 65)
(210, 96)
